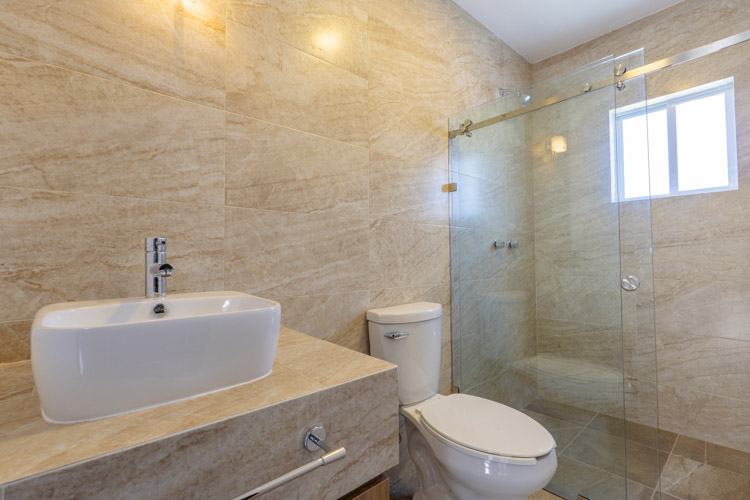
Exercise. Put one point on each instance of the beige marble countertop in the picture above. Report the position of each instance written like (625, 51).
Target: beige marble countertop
(29, 445)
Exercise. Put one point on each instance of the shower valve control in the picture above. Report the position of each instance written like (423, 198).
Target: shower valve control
(513, 244)
(499, 244)
(630, 283)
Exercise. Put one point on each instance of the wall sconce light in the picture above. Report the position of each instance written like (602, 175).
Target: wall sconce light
(558, 144)
(327, 40)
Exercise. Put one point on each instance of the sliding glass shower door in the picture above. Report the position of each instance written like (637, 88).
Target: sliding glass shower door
(551, 274)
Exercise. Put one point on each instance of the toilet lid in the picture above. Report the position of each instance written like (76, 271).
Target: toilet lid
(486, 426)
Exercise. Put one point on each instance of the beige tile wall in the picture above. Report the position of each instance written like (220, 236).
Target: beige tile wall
(292, 149)
(700, 242)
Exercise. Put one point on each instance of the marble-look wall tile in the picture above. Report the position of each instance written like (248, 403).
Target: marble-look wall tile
(420, 26)
(333, 30)
(15, 341)
(596, 228)
(17, 407)
(478, 63)
(55, 137)
(405, 254)
(272, 81)
(168, 46)
(277, 168)
(480, 204)
(79, 239)
(717, 419)
(515, 386)
(337, 318)
(487, 354)
(404, 191)
(590, 385)
(702, 307)
(403, 127)
(476, 256)
(582, 299)
(498, 153)
(575, 339)
(689, 229)
(282, 254)
(15, 378)
(714, 365)
(419, 75)
(485, 305)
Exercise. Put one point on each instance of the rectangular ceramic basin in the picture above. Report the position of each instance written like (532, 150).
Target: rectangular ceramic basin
(102, 358)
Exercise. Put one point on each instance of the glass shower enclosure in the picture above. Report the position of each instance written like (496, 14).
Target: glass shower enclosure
(552, 276)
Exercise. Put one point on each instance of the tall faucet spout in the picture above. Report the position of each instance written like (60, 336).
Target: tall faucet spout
(157, 268)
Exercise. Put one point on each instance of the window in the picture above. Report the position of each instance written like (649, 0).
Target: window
(691, 147)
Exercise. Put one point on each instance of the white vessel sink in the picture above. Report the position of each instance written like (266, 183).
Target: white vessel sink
(102, 358)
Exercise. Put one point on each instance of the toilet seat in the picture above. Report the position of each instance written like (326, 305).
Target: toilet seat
(485, 429)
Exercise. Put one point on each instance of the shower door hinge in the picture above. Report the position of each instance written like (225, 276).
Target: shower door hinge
(449, 188)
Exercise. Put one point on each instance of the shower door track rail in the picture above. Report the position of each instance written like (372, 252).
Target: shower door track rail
(606, 82)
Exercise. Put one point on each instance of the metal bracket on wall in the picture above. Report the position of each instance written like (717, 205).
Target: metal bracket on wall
(450, 188)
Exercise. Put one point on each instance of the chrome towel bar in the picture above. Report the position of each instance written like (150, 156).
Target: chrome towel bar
(314, 440)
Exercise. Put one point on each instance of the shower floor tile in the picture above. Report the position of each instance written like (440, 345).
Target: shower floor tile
(563, 432)
(604, 449)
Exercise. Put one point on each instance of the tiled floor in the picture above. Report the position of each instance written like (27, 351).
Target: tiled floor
(596, 461)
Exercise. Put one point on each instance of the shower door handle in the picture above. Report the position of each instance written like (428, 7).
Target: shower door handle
(630, 283)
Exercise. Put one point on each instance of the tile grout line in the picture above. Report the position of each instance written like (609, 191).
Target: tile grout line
(215, 107)
(609, 473)
(660, 483)
(583, 428)
(303, 51)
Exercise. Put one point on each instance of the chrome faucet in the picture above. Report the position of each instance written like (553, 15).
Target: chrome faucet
(157, 269)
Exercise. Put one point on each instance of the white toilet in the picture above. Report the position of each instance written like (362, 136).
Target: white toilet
(464, 447)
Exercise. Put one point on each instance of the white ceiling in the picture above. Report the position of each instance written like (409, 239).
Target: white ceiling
(538, 29)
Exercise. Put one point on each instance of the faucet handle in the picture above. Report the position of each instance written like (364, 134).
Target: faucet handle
(156, 244)
(161, 270)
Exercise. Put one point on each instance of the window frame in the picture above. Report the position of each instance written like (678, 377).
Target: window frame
(669, 103)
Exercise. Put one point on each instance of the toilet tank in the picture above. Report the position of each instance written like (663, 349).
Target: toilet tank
(409, 336)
